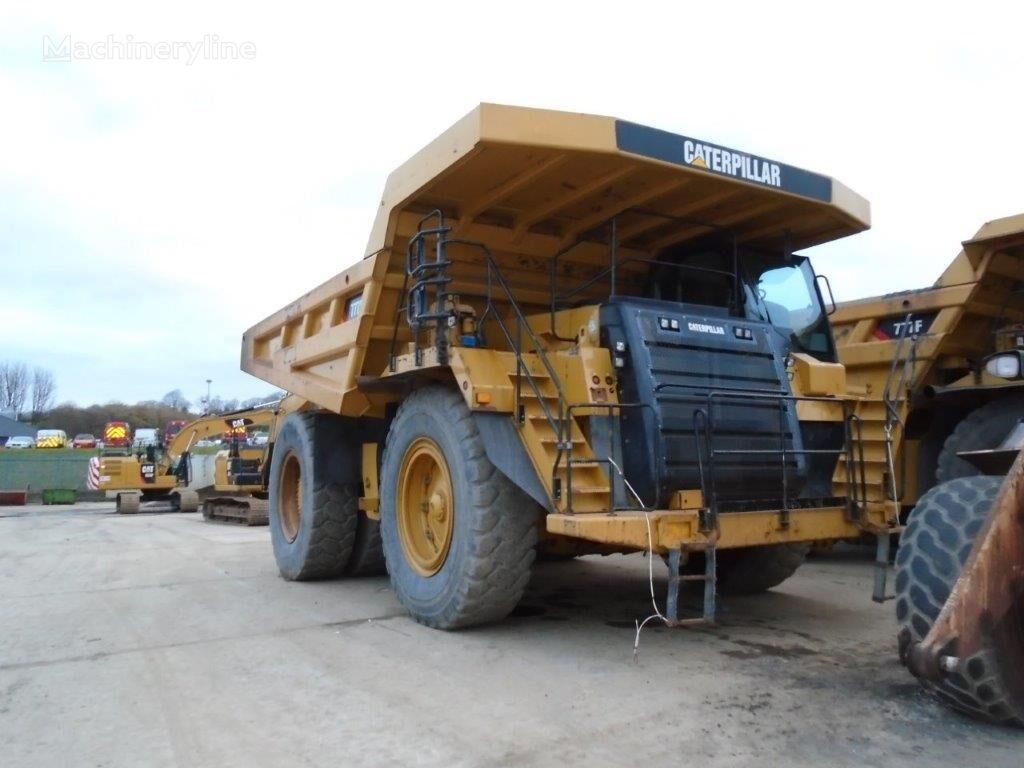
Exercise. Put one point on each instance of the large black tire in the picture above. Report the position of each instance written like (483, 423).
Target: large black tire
(753, 570)
(319, 544)
(494, 528)
(933, 549)
(981, 429)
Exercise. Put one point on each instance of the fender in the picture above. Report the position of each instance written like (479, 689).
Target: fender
(505, 450)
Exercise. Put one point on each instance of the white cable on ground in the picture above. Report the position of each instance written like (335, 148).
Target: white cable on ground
(650, 574)
(650, 561)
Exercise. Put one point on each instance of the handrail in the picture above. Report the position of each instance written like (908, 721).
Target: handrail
(891, 400)
(494, 274)
(781, 400)
(565, 447)
(416, 264)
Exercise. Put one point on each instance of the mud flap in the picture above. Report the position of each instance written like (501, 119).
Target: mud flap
(505, 451)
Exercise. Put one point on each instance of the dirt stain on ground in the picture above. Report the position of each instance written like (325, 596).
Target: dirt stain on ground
(754, 650)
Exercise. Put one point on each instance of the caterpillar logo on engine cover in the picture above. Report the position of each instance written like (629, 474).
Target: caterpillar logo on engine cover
(715, 330)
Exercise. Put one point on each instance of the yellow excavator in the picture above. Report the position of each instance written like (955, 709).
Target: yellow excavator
(162, 474)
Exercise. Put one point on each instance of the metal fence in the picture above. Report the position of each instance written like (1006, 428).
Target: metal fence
(35, 470)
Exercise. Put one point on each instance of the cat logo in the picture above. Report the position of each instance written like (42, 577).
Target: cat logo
(730, 163)
(714, 330)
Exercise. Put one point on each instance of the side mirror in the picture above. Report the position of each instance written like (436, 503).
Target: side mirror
(819, 279)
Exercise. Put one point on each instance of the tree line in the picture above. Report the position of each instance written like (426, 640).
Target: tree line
(20, 386)
(76, 420)
(36, 388)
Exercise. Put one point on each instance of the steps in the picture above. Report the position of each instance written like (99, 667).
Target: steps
(870, 441)
(539, 424)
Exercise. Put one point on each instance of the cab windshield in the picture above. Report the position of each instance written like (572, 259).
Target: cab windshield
(785, 295)
(759, 285)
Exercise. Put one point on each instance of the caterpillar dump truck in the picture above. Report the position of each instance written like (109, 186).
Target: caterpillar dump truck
(571, 333)
(163, 475)
(941, 372)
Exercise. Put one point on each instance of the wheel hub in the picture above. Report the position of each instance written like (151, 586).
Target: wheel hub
(424, 509)
(289, 502)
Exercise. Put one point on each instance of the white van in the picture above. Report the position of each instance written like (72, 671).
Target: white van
(51, 438)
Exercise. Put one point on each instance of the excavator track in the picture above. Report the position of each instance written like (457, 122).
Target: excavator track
(244, 510)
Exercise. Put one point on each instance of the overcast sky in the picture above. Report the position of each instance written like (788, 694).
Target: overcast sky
(151, 210)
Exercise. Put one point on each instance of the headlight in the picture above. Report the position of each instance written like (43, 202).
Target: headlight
(1005, 365)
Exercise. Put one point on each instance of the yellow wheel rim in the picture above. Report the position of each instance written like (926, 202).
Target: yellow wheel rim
(290, 497)
(425, 507)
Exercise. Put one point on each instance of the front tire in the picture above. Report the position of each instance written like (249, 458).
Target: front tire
(313, 514)
(933, 550)
(458, 536)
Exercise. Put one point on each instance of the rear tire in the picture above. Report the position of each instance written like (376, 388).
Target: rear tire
(933, 549)
(313, 515)
(753, 570)
(981, 429)
(469, 569)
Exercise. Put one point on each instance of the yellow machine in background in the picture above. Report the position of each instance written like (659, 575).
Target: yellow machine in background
(240, 473)
(940, 367)
(942, 372)
(163, 474)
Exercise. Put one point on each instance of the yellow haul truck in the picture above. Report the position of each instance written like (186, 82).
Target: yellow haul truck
(943, 362)
(162, 474)
(942, 368)
(571, 333)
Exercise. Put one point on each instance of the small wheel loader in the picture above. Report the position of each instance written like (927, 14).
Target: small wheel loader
(575, 334)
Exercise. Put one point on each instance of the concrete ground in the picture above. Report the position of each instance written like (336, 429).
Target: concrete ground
(164, 640)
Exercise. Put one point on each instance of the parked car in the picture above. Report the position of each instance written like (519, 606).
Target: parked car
(260, 439)
(51, 438)
(84, 440)
(204, 443)
(19, 441)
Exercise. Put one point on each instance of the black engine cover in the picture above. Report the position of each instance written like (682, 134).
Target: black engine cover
(680, 359)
